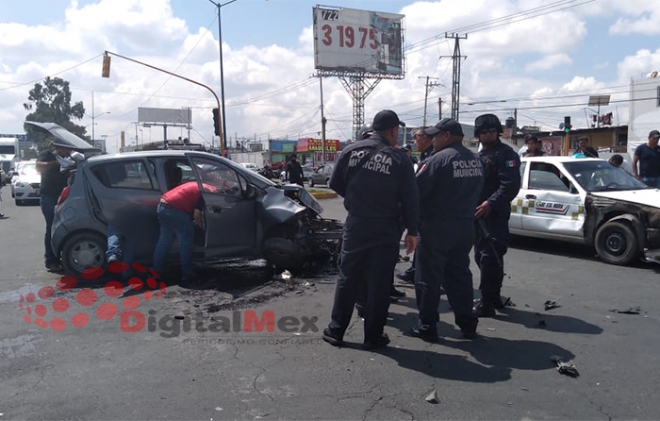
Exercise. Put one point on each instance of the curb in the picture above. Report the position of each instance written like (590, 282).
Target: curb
(324, 195)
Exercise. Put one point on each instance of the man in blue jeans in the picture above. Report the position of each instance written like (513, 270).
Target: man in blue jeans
(177, 210)
(52, 183)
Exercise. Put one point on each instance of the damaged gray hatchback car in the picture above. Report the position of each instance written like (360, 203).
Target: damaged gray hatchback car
(248, 216)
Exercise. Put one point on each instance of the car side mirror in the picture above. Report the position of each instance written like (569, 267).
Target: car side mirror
(250, 192)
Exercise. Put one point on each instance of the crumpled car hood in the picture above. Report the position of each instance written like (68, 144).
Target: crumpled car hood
(648, 197)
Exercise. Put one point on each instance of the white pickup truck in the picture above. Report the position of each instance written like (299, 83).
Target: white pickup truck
(588, 201)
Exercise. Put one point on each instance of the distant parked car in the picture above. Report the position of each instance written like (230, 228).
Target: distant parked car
(250, 166)
(27, 184)
(322, 175)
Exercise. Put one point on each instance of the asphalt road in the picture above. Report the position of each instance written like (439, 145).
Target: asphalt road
(103, 370)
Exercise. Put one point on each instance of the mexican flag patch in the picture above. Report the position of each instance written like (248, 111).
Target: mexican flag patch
(510, 164)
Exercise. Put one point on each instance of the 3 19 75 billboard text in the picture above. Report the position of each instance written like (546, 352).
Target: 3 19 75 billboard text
(346, 35)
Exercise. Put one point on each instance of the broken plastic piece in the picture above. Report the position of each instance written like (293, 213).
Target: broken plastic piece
(549, 305)
(432, 397)
(631, 310)
(565, 367)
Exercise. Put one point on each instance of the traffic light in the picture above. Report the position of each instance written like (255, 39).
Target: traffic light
(106, 66)
(567, 124)
(216, 125)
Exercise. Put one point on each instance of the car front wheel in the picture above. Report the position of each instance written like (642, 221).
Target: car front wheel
(616, 243)
(83, 251)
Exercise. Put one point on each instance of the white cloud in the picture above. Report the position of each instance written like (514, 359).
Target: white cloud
(549, 62)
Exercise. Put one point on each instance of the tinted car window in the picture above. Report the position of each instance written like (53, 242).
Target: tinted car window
(124, 175)
(545, 176)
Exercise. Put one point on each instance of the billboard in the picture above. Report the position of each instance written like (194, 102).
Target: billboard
(316, 145)
(171, 116)
(359, 41)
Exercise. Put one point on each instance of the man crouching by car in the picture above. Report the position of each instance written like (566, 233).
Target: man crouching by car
(178, 210)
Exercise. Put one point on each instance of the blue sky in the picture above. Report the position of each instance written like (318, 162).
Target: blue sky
(545, 66)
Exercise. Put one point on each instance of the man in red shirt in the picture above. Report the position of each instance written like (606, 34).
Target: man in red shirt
(176, 211)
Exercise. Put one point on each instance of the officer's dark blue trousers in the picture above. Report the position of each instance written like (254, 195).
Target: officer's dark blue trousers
(443, 260)
(369, 247)
(487, 256)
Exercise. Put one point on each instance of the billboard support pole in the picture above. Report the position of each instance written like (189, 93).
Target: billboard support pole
(322, 120)
(355, 85)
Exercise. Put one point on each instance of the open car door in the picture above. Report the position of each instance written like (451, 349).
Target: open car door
(229, 217)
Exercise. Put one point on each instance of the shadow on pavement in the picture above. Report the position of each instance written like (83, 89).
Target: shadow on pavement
(450, 367)
(553, 323)
(554, 247)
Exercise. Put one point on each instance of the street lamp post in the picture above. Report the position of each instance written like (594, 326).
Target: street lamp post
(222, 77)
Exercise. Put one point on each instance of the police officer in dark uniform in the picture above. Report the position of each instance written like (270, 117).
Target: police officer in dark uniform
(450, 182)
(424, 144)
(381, 197)
(502, 168)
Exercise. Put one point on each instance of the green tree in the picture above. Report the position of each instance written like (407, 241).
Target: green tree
(51, 103)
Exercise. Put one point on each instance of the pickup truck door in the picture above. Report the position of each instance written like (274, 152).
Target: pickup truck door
(551, 206)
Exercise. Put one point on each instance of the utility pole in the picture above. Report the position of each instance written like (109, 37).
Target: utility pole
(515, 121)
(429, 87)
(456, 76)
(439, 108)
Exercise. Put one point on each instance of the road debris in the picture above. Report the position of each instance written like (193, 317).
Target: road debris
(525, 389)
(432, 397)
(631, 310)
(549, 305)
(286, 275)
(490, 328)
(541, 323)
(308, 284)
(565, 367)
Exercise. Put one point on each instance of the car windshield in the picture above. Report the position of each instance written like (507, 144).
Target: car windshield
(596, 176)
(28, 169)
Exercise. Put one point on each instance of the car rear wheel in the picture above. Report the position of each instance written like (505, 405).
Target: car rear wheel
(83, 251)
(616, 243)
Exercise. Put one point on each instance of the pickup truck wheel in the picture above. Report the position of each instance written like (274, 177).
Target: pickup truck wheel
(616, 243)
(83, 251)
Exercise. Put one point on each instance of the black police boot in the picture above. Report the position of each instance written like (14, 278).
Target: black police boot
(384, 340)
(498, 302)
(427, 333)
(360, 309)
(332, 338)
(396, 293)
(484, 308)
(407, 276)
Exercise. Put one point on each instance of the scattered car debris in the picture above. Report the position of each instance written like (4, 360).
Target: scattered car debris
(308, 284)
(286, 275)
(549, 305)
(490, 328)
(565, 367)
(525, 389)
(432, 397)
(631, 310)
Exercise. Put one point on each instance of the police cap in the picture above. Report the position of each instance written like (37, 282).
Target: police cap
(445, 125)
(385, 120)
